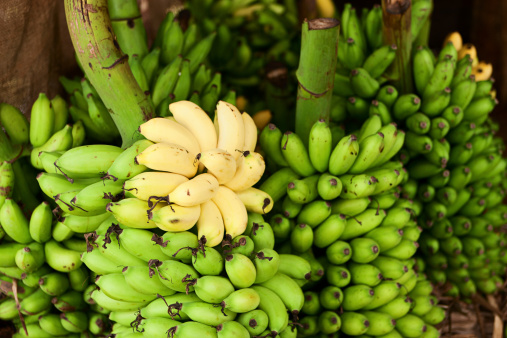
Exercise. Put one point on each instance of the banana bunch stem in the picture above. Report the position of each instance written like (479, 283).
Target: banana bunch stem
(397, 31)
(315, 74)
(106, 66)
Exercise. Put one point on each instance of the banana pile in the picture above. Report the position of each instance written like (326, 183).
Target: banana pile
(456, 159)
(42, 277)
(257, 33)
(338, 205)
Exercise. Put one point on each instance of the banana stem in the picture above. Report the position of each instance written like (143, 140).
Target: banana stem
(315, 74)
(396, 16)
(106, 66)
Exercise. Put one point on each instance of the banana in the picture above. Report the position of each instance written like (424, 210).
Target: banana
(94, 198)
(363, 84)
(145, 280)
(60, 258)
(14, 223)
(273, 306)
(196, 191)
(255, 321)
(250, 132)
(364, 250)
(134, 213)
(87, 161)
(232, 130)
(369, 150)
(54, 284)
(114, 286)
(147, 184)
(288, 290)
(219, 163)
(192, 329)
(256, 200)
(40, 223)
(329, 230)
(169, 158)
(124, 166)
(331, 297)
(115, 305)
(84, 224)
(210, 224)
(176, 218)
(296, 155)
(358, 186)
(169, 131)
(140, 243)
(303, 191)
(232, 209)
(301, 237)
(172, 243)
(31, 257)
(319, 146)
(270, 139)
(9, 253)
(42, 121)
(240, 270)
(249, 171)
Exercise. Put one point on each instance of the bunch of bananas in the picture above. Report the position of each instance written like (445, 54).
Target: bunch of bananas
(337, 205)
(456, 160)
(112, 195)
(43, 278)
(258, 32)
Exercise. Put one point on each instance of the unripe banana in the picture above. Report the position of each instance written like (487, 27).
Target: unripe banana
(87, 161)
(31, 257)
(273, 306)
(363, 223)
(115, 286)
(255, 321)
(42, 118)
(14, 223)
(354, 323)
(296, 155)
(60, 258)
(133, 212)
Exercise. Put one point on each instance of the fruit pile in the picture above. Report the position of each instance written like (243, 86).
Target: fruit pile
(192, 229)
(43, 278)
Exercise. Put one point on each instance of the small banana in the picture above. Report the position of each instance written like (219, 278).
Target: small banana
(198, 190)
(250, 132)
(210, 224)
(249, 171)
(176, 218)
(152, 183)
(219, 163)
(170, 158)
(231, 129)
(192, 117)
(233, 211)
(167, 131)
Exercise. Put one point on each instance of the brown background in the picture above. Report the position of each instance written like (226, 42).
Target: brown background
(35, 47)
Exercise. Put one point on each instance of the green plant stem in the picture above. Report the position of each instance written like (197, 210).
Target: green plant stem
(396, 16)
(106, 66)
(315, 74)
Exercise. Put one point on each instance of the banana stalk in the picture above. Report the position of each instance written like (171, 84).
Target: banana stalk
(396, 16)
(106, 66)
(315, 74)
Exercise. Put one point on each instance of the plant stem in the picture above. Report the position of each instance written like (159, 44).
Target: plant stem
(315, 74)
(106, 66)
(396, 15)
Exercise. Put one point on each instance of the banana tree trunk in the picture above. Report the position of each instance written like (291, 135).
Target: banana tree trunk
(106, 66)
(315, 74)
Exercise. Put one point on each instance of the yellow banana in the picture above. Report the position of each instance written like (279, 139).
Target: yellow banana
(170, 158)
(133, 212)
(231, 135)
(168, 131)
(469, 49)
(325, 8)
(482, 71)
(196, 191)
(210, 224)
(262, 118)
(176, 218)
(256, 200)
(250, 169)
(233, 211)
(192, 117)
(250, 132)
(241, 102)
(219, 163)
(455, 38)
(152, 183)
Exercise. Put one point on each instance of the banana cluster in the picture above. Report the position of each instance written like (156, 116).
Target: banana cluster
(457, 172)
(42, 275)
(338, 205)
(174, 285)
(249, 35)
